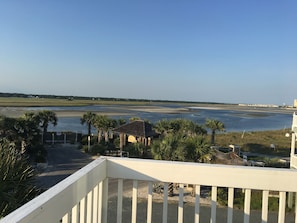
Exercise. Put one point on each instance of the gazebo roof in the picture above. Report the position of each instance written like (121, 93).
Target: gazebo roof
(137, 128)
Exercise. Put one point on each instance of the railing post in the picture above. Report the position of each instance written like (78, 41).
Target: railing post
(103, 190)
(282, 207)
(120, 201)
(165, 203)
(247, 205)
(197, 203)
(265, 194)
(230, 204)
(213, 217)
(181, 203)
(134, 201)
(149, 202)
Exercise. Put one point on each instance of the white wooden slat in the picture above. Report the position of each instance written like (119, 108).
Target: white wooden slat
(265, 194)
(282, 207)
(89, 207)
(165, 203)
(247, 205)
(120, 201)
(65, 218)
(197, 203)
(181, 203)
(230, 204)
(104, 200)
(95, 204)
(82, 210)
(149, 202)
(100, 201)
(134, 201)
(213, 216)
(74, 214)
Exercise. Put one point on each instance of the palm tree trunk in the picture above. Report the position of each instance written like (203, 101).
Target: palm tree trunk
(99, 136)
(213, 137)
(106, 136)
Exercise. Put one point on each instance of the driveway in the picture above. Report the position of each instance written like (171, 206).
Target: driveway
(63, 160)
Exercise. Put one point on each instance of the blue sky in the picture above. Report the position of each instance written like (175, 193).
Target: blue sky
(210, 51)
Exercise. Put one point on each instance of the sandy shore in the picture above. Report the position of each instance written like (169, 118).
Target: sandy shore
(130, 110)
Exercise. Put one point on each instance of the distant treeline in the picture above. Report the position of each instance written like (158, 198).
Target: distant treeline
(21, 95)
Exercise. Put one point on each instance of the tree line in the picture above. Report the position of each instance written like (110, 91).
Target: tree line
(179, 139)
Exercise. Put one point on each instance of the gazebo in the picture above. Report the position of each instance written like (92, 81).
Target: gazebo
(139, 130)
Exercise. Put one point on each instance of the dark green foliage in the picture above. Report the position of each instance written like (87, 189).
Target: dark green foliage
(98, 149)
(214, 126)
(40, 153)
(181, 147)
(89, 119)
(136, 150)
(16, 179)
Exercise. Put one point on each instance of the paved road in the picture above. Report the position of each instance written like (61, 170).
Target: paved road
(63, 160)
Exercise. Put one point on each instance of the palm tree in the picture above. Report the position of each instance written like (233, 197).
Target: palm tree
(89, 118)
(170, 147)
(28, 130)
(46, 117)
(198, 150)
(185, 126)
(214, 125)
(101, 123)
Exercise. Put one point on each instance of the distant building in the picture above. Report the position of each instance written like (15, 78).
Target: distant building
(295, 103)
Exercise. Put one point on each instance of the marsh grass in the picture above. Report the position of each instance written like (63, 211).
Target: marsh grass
(258, 141)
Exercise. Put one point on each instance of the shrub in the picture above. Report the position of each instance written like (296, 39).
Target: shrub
(16, 179)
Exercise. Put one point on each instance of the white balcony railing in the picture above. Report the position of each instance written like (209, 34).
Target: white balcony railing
(83, 197)
(293, 161)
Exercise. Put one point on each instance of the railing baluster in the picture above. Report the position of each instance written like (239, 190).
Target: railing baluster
(74, 214)
(282, 207)
(230, 204)
(181, 203)
(213, 204)
(247, 205)
(104, 200)
(100, 202)
(197, 203)
(165, 203)
(95, 204)
(149, 202)
(134, 201)
(265, 194)
(82, 210)
(120, 201)
(65, 218)
(89, 206)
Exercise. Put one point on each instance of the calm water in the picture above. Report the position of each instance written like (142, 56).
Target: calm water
(233, 120)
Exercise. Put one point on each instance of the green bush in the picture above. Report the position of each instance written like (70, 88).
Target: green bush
(98, 149)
